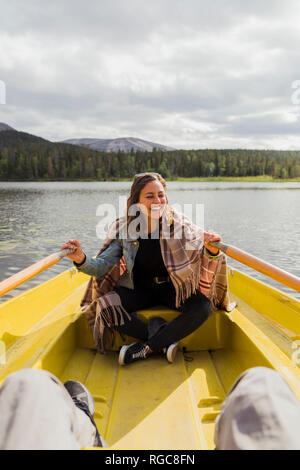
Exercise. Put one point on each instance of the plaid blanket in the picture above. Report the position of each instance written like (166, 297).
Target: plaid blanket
(188, 267)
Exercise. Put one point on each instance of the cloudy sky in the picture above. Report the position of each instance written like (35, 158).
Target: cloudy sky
(184, 73)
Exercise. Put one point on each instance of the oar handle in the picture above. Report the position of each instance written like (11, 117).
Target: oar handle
(33, 270)
(259, 265)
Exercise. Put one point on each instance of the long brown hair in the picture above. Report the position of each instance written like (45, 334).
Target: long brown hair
(138, 184)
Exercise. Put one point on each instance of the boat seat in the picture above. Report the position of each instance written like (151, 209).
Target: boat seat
(211, 335)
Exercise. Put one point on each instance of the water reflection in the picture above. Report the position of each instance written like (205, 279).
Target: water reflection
(37, 218)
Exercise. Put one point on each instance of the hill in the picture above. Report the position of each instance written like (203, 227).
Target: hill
(28, 157)
(114, 145)
(5, 127)
(12, 138)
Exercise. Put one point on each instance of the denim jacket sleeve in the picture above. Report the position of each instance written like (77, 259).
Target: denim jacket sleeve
(97, 267)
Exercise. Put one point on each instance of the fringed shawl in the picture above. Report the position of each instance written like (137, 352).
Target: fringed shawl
(188, 267)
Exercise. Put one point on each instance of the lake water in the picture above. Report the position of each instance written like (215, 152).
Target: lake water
(37, 218)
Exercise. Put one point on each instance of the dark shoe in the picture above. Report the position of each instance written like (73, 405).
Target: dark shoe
(133, 353)
(171, 351)
(83, 399)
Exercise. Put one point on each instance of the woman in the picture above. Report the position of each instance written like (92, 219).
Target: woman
(146, 268)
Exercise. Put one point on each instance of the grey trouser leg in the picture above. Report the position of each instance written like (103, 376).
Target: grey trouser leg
(260, 412)
(37, 413)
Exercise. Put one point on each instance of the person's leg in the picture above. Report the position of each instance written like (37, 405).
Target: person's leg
(133, 300)
(38, 413)
(194, 312)
(260, 413)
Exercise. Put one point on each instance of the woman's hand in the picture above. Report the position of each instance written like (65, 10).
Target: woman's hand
(211, 237)
(78, 256)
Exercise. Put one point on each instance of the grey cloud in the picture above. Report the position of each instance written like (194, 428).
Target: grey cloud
(78, 77)
(117, 20)
(262, 125)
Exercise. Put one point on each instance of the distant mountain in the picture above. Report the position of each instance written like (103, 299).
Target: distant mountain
(113, 145)
(12, 138)
(5, 127)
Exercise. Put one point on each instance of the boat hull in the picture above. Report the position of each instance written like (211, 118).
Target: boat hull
(153, 404)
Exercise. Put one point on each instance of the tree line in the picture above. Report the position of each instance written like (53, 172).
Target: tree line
(37, 159)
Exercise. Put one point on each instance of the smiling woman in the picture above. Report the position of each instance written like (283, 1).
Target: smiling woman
(152, 267)
(148, 193)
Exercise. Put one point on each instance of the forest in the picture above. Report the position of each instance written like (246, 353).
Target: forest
(24, 157)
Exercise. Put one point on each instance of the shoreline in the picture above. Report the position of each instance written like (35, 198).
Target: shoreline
(236, 179)
(230, 179)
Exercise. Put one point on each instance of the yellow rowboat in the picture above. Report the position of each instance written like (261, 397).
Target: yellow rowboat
(153, 404)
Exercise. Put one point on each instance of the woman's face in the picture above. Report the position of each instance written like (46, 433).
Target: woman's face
(153, 198)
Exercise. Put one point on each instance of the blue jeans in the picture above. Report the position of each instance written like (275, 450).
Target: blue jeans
(159, 334)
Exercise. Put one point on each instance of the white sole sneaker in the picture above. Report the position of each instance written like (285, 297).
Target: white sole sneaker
(122, 353)
(171, 352)
(85, 393)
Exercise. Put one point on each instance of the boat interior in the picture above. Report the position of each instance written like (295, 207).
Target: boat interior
(153, 404)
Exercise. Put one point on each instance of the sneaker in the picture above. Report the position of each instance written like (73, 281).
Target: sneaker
(83, 399)
(170, 352)
(132, 353)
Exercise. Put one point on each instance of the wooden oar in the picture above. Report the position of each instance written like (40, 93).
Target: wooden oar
(28, 273)
(269, 270)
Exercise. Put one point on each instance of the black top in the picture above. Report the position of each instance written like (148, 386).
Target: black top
(148, 261)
